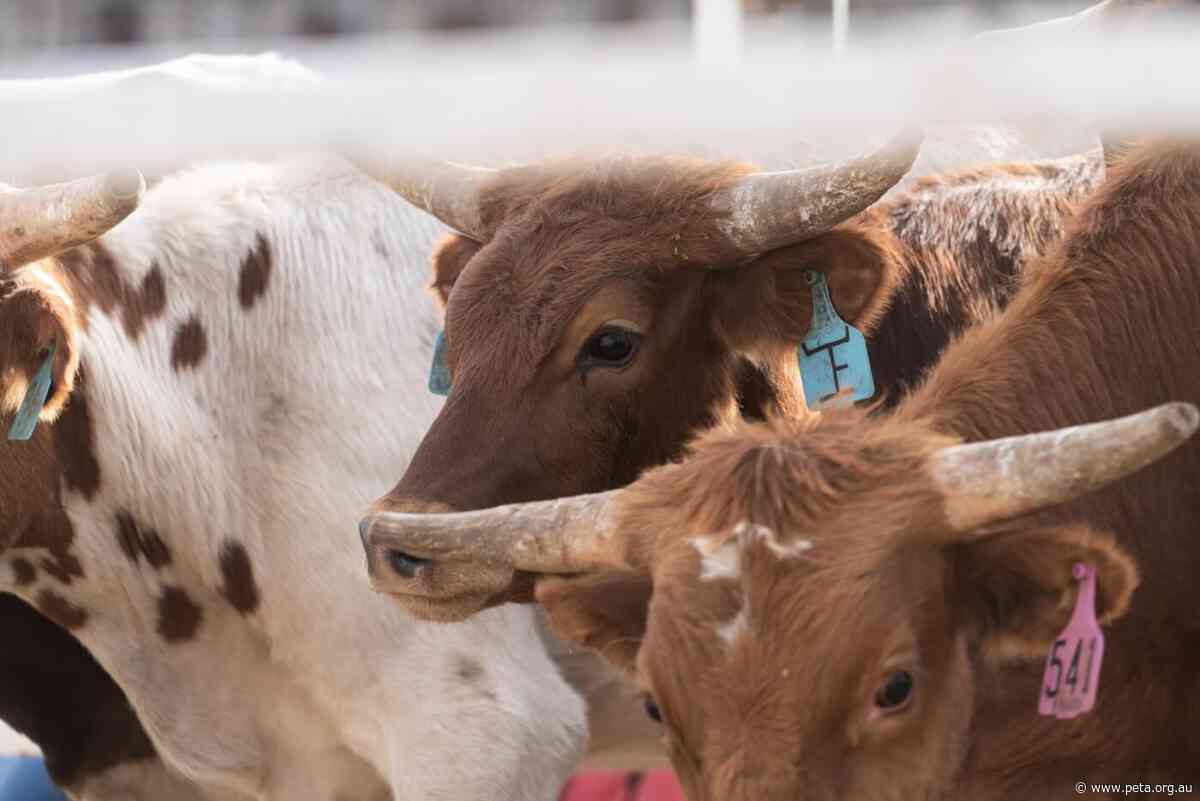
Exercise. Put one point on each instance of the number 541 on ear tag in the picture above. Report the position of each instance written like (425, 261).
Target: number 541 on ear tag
(1072, 673)
(833, 356)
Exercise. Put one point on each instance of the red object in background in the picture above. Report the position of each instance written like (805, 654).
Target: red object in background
(659, 785)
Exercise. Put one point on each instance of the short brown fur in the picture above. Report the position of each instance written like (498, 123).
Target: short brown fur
(578, 245)
(784, 707)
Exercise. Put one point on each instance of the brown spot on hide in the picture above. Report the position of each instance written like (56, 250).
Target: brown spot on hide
(60, 610)
(73, 445)
(52, 531)
(145, 304)
(190, 345)
(137, 543)
(178, 615)
(468, 669)
(24, 573)
(256, 273)
(94, 279)
(237, 578)
(473, 675)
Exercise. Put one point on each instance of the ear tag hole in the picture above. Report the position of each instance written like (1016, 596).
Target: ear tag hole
(835, 367)
(35, 399)
(1072, 674)
(439, 371)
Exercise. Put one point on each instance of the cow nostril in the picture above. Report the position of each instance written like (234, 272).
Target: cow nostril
(405, 565)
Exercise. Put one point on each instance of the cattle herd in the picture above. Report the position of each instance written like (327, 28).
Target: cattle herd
(623, 537)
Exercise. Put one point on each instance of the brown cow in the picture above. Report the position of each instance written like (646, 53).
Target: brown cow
(594, 320)
(852, 606)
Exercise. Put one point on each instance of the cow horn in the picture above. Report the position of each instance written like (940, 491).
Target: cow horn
(564, 535)
(768, 210)
(445, 189)
(987, 482)
(45, 220)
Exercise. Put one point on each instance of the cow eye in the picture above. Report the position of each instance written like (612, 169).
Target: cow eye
(652, 710)
(896, 692)
(610, 347)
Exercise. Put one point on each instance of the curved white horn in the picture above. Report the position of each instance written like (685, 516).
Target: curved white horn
(990, 481)
(41, 221)
(448, 191)
(764, 211)
(564, 535)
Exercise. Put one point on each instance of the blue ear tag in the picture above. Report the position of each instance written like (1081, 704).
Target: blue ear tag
(35, 399)
(439, 371)
(833, 356)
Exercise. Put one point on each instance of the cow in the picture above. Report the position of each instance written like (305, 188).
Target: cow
(857, 605)
(215, 414)
(51, 688)
(598, 312)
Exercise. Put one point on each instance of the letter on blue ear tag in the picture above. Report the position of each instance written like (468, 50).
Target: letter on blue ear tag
(439, 371)
(35, 399)
(833, 357)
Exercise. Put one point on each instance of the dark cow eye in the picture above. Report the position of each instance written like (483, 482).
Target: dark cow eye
(609, 347)
(652, 709)
(895, 693)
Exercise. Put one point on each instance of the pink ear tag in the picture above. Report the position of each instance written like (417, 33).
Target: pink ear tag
(1073, 667)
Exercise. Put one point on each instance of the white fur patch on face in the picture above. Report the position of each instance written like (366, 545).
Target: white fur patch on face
(718, 560)
(747, 532)
(789, 551)
(733, 628)
(722, 559)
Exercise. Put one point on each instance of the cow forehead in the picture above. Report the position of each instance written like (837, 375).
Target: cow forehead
(798, 670)
(772, 601)
(507, 298)
(569, 227)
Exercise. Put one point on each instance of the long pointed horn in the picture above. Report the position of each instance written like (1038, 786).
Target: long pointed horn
(767, 210)
(991, 481)
(448, 191)
(41, 221)
(565, 535)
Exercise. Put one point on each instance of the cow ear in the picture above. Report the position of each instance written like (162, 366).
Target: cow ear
(604, 612)
(771, 302)
(34, 312)
(1021, 592)
(449, 260)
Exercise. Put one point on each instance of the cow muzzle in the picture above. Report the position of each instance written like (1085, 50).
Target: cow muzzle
(428, 584)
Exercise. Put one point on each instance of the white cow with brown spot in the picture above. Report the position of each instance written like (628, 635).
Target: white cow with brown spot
(217, 416)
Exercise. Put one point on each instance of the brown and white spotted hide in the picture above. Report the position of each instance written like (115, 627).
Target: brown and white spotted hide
(185, 510)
